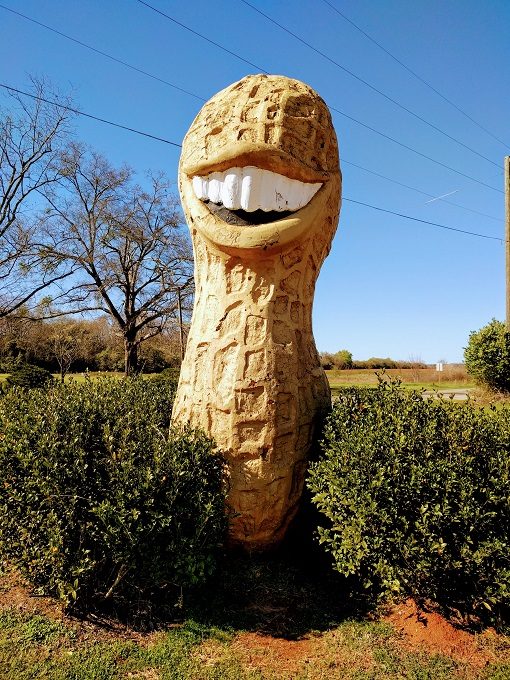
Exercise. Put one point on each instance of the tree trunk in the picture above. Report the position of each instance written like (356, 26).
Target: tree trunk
(130, 355)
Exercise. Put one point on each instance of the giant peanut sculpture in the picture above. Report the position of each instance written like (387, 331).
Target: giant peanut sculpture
(260, 184)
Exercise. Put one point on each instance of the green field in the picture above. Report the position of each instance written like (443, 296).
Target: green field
(421, 378)
(78, 377)
(92, 375)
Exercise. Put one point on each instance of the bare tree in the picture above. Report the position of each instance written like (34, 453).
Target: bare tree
(126, 244)
(64, 344)
(32, 134)
(416, 365)
(16, 336)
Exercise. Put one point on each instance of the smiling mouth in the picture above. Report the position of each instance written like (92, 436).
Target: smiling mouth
(249, 196)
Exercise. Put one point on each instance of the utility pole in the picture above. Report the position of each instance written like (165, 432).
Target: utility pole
(507, 239)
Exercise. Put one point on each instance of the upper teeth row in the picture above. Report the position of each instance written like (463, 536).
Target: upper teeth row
(252, 188)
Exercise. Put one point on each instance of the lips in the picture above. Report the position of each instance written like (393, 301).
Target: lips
(252, 189)
(274, 209)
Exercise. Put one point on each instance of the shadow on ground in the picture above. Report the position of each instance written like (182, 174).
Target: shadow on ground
(287, 593)
(276, 595)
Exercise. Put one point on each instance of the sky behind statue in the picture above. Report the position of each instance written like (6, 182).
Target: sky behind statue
(391, 286)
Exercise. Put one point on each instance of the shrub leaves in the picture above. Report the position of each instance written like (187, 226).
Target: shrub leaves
(417, 497)
(99, 498)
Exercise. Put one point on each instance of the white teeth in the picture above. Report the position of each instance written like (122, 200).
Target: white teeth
(281, 190)
(230, 189)
(214, 188)
(252, 188)
(198, 187)
(266, 191)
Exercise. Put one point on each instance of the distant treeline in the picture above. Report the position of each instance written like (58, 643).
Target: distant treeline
(70, 345)
(342, 360)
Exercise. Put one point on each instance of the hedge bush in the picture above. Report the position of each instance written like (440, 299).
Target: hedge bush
(417, 497)
(27, 375)
(169, 373)
(98, 498)
(487, 356)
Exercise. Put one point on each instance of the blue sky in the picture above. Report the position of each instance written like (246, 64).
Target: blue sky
(390, 287)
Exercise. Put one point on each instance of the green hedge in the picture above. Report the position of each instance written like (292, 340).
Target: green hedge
(487, 356)
(98, 498)
(417, 497)
(27, 375)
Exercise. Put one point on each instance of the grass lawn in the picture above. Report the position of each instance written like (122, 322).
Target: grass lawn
(78, 377)
(91, 375)
(422, 378)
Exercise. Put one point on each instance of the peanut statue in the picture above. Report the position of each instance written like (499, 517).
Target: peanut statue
(260, 184)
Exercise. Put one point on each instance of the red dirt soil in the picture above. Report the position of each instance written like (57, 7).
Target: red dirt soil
(264, 651)
(17, 595)
(418, 630)
(14, 594)
(430, 631)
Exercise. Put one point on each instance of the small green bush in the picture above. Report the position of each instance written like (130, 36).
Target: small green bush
(26, 375)
(110, 359)
(341, 360)
(416, 494)
(151, 360)
(98, 498)
(170, 373)
(487, 356)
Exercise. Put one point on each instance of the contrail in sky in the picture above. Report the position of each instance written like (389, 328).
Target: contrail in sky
(438, 198)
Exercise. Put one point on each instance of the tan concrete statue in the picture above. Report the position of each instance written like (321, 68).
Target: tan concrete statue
(260, 184)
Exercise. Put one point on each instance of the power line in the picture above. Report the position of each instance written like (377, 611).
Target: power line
(413, 73)
(417, 219)
(419, 153)
(366, 83)
(150, 75)
(420, 191)
(167, 141)
(191, 30)
(355, 120)
(89, 115)
(103, 54)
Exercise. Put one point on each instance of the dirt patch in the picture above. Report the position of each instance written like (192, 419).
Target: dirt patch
(264, 652)
(418, 629)
(430, 630)
(17, 595)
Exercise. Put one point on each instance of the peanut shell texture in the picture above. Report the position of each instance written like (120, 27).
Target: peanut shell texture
(260, 185)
